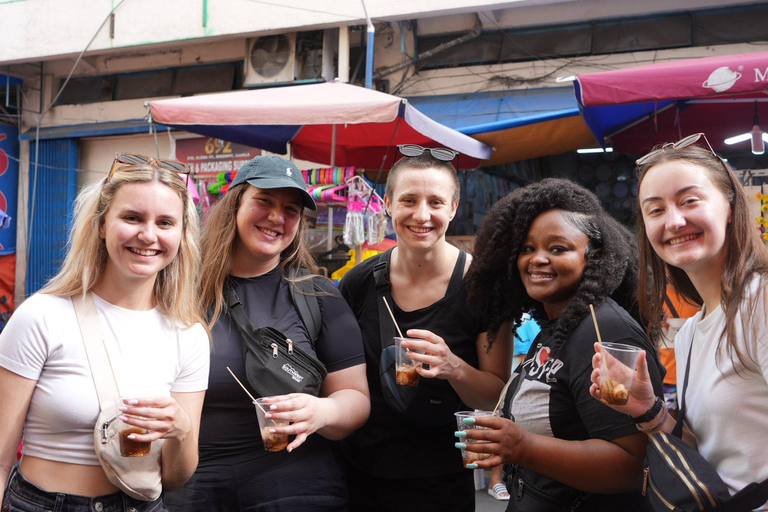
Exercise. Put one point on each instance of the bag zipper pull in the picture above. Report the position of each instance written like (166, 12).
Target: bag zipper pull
(520, 485)
(104, 427)
(290, 345)
(274, 350)
(646, 474)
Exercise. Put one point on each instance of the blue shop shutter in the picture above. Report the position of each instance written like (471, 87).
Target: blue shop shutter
(51, 200)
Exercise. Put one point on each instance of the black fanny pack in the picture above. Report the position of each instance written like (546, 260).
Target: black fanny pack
(431, 403)
(679, 479)
(274, 365)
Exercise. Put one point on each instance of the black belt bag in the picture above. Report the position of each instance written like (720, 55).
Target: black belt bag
(274, 365)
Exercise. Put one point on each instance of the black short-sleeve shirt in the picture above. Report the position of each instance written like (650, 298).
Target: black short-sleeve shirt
(554, 400)
(229, 422)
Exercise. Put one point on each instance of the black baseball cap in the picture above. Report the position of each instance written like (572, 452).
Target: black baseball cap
(271, 171)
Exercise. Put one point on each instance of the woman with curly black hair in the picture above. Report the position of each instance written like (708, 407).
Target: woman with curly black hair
(549, 249)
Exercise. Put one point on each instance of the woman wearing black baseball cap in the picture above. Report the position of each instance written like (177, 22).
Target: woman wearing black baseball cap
(255, 238)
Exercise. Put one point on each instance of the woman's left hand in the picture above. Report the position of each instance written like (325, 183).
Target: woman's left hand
(162, 416)
(506, 440)
(443, 364)
(307, 414)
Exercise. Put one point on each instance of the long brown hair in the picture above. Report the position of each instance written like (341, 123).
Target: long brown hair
(746, 255)
(218, 247)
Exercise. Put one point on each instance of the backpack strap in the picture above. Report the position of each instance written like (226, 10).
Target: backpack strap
(671, 307)
(305, 302)
(304, 297)
(387, 330)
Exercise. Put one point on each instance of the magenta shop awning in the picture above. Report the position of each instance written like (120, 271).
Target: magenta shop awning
(639, 107)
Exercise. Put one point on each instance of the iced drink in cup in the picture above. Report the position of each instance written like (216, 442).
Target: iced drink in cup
(467, 455)
(130, 447)
(405, 367)
(617, 372)
(273, 442)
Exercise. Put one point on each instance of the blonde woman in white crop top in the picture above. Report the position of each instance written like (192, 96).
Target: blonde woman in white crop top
(133, 245)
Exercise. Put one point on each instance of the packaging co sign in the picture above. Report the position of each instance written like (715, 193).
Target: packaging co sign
(209, 156)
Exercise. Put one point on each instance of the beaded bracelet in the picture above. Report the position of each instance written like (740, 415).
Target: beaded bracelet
(656, 426)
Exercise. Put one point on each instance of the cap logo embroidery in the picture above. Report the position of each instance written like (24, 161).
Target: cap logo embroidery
(288, 172)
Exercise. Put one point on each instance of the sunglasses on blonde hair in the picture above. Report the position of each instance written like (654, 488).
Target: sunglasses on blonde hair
(135, 159)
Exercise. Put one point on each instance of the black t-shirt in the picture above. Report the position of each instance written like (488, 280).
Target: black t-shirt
(388, 447)
(229, 423)
(554, 400)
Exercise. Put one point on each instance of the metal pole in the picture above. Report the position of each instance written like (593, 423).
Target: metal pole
(369, 49)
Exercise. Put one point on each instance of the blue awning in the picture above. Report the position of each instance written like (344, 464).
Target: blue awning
(6, 80)
(520, 124)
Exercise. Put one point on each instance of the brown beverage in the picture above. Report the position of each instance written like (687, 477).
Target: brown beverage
(614, 393)
(273, 442)
(131, 447)
(407, 375)
(473, 457)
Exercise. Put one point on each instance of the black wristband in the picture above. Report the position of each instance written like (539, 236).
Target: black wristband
(651, 413)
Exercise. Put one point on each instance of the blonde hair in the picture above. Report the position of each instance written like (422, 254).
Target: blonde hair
(86, 259)
(218, 247)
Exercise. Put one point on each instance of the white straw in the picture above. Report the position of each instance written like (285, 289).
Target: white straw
(244, 389)
(393, 316)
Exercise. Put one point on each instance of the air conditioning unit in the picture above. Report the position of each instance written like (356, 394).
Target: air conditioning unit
(285, 58)
(270, 59)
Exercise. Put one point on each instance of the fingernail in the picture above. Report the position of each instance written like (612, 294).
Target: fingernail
(122, 409)
(132, 436)
(272, 431)
(460, 433)
(469, 421)
(460, 446)
(267, 415)
(472, 465)
(289, 450)
(272, 407)
(123, 418)
(131, 402)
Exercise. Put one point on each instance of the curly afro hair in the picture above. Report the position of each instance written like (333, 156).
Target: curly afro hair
(496, 292)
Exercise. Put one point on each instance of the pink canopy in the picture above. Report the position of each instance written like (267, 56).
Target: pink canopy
(691, 78)
(639, 107)
(368, 124)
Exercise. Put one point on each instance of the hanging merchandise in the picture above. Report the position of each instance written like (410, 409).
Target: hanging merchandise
(365, 210)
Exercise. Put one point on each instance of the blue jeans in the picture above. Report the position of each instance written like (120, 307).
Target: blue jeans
(22, 496)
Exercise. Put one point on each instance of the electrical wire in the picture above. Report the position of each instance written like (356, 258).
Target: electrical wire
(39, 120)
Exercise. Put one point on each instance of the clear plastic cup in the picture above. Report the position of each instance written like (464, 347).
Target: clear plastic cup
(273, 442)
(405, 367)
(467, 455)
(621, 361)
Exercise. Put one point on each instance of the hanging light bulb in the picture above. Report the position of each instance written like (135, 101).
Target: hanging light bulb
(758, 140)
(756, 136)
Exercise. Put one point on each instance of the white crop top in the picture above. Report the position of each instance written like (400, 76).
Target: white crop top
(42, 342)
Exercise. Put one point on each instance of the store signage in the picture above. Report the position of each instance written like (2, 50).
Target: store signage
(209, 157)
(9, 184)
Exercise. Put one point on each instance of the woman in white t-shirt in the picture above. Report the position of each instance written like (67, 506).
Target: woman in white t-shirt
(697, 234)
(134, 247)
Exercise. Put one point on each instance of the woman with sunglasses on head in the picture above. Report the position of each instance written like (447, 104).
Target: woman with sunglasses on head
(398, 462)
(255, 241)
(549, 249)
(696, 233)
(133, 248)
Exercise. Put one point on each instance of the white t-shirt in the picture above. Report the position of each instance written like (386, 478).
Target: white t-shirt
(727, 413)
(42, 342)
